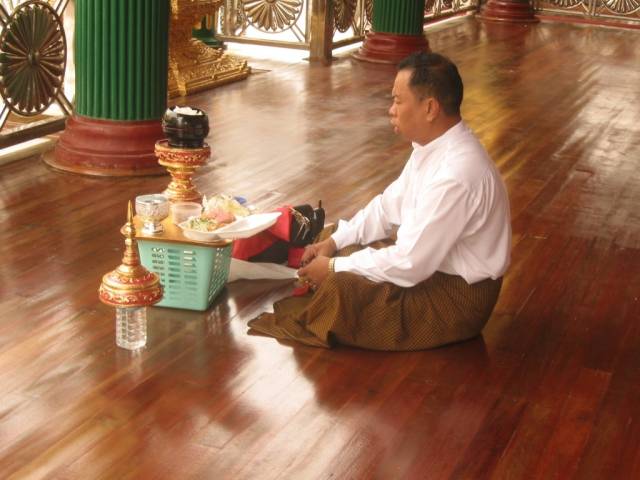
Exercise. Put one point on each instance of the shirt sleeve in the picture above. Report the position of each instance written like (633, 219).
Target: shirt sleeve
(375, 221)
(424, 238)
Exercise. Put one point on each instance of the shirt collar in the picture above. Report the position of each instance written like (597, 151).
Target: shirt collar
(442, 140)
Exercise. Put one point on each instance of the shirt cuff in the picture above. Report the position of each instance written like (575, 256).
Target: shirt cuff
(343, 236)
(341, 264)
(360, 262)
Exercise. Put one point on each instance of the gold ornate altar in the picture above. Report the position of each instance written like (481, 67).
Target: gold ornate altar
(194, 66)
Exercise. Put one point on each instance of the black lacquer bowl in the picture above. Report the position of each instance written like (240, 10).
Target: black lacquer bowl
(185, 127)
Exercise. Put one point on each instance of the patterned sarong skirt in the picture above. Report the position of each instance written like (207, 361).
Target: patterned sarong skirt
(351, 310)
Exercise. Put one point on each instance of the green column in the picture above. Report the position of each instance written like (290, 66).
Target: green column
(402, 17)
(121, 50)
(397, 31)
(121, 53)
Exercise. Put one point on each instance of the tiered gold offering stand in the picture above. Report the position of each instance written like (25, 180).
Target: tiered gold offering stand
(130, 285)
(182, 164)
(194, 66)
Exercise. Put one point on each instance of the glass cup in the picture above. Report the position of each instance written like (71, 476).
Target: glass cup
(152, 209)
(181, 211)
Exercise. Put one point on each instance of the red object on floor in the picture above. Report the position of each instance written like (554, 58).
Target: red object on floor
(295, 257)
(301, 290)
(246, 248)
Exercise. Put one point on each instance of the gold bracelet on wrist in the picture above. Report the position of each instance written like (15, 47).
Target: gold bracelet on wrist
(332, 265)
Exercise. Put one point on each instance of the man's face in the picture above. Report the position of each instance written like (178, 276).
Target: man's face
(409, 114)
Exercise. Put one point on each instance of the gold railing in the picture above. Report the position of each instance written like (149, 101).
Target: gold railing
(34, 47)
(315, 25)
(319, 26)
(599, 11)
(435, 10)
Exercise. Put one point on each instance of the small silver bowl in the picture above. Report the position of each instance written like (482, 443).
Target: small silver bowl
(152, 209)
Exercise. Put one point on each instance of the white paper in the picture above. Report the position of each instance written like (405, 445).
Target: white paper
(241, 270)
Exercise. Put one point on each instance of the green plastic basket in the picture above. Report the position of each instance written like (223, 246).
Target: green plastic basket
(191, 275)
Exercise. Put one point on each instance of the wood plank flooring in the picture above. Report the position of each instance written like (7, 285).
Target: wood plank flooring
(550, 390)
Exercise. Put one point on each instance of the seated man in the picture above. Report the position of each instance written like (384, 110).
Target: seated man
(440, 279)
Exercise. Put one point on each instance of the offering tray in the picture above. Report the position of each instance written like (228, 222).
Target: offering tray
(173, 233)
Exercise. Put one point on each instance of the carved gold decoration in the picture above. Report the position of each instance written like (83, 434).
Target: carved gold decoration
(626, 10)
(130, 285)
(343, 14)
(272, 15)
(33, 57)
(622, 6)
(435, 9)
(368, 10)
(181, 164)
(234, 20)
(193, 66)
(566, 3)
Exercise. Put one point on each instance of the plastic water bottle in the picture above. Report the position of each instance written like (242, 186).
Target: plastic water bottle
(131, 327)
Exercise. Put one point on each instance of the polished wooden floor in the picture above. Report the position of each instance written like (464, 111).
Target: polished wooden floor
(550, 390)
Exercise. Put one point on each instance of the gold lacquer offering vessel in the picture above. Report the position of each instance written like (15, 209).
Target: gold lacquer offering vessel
(183, 151)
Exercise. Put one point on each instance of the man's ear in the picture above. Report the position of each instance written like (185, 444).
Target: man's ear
(432, 108)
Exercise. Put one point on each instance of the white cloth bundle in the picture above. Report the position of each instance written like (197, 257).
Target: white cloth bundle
(241, 270)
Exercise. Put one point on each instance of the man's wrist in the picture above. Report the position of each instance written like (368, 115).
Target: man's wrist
(332, 265)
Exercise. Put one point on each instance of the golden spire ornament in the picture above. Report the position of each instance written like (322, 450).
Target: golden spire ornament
(130, 288)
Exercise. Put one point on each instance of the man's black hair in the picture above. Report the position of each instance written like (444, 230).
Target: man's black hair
(435, 75)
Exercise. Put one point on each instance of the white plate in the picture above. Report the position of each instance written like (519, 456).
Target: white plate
(242, 228)
(198, 235)
(248, 226)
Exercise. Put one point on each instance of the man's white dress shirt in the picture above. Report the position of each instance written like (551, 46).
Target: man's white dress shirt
(452, 210)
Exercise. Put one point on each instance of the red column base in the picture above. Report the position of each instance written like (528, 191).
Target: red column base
(108, 148)
(513, 11)
(389, 47)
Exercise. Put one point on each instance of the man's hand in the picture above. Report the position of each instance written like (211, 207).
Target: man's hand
(325, 248)
(316, 271)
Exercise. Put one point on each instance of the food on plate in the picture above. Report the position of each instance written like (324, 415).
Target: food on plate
(224, 208)
(220, 216)
(202, 224)
(219, 211)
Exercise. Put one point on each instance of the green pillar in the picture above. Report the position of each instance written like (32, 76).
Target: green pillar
(121, 56)
(402, 17)
(397, 31)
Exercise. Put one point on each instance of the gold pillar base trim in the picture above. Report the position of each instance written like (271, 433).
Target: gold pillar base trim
(104, 147)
